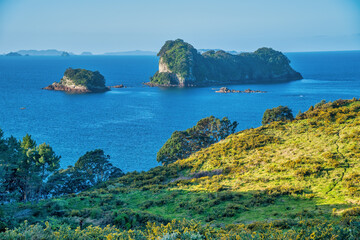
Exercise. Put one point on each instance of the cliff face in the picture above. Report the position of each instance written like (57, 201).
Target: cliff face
(80, 81)
(181, 64)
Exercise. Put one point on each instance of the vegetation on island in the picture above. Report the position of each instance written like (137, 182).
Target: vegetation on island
(293, 179)
(182, 65)
(83, 77)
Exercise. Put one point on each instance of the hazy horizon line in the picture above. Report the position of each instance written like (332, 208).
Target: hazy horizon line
(108, 53)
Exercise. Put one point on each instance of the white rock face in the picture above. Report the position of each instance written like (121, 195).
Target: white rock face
(69, 83)
(163, 67)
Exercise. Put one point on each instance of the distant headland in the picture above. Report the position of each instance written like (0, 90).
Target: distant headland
(13, 54)
(80, 81)
(54, 52)
(181, 64)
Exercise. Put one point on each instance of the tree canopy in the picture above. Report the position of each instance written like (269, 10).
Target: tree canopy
(85, 77)
(31, 172)
(92, 168)
(206, 132)
(280, 113)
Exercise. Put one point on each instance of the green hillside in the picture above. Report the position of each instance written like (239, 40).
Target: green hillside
(295, 179)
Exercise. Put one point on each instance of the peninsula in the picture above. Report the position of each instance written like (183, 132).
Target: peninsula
(80, 81)
(181, 64)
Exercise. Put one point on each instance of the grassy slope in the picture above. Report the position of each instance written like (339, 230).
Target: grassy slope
(307, 168)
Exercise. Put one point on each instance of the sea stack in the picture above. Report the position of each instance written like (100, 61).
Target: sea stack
(180, 64)
(80, 81)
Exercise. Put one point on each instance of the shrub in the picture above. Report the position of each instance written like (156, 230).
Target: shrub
(280, 113)
(351, 212)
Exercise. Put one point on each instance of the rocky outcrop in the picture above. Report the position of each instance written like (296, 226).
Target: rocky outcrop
(74, 89)
(227, 90)
(117, 86)
(180, 64)
(80, 81)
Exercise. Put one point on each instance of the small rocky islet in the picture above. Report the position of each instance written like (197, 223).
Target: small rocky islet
(81, 81)
(227, 90)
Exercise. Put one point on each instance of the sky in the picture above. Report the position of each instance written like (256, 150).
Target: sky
(122, 25)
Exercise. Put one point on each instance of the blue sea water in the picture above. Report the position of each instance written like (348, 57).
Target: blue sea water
(132, 124)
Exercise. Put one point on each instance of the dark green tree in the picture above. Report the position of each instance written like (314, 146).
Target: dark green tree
(92, 168)
(96, 165)
(280, 113)
(207, 131)
(10, 154)
(48, 162)
(27, 173)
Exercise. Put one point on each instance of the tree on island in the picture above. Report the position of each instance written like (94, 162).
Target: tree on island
(280, 113)
(84, 77)
(207, 131)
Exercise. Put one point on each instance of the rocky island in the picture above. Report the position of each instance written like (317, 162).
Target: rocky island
(181, 64)
(227, 90)
(80, 81)
(13, 54)
(117, 86)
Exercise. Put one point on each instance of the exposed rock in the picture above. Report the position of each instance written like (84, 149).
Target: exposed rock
(181, 64)
(227, 90)
(117, 86)
(74, 89)
(80, 81)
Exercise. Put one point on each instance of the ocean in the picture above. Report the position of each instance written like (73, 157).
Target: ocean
(132, 124)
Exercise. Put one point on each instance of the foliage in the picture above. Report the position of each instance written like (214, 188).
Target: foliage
(280, 113)
(163, 78)
(177, 55)
(91, 169)
(285, 180)
(188, 67)
(25, 167)
(83, 77)
(29, 172)
(206, 132)
(185, 230)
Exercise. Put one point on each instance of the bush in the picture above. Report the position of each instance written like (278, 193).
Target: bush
(207, 131)
(280, 113)
(351, 212)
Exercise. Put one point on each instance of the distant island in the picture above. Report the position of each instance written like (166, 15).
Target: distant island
(65, 54)
(181, 64)
(54, 52)
(80, 81)
(206, 50)
(86, 54)
(13, 54)
(49, 52)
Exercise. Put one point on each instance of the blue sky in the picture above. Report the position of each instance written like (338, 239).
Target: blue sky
(120, 25)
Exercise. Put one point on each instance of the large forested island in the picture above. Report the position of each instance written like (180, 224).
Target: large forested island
(80, 81)
(292, 178)
(181, 64)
